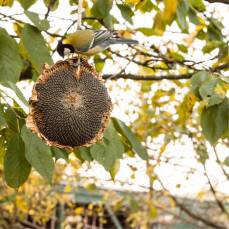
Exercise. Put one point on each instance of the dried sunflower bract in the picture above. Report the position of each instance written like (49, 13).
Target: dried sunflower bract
(67, 111)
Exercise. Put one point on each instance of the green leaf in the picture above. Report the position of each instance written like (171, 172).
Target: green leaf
(10, 60)
(16, 167)
(108, 22)
(146, 6)
(197, 4)
(38, 154)
(101, 8)
(59, 153)
(207, 88)
(99, 63)
(26, 3)
(114, 170)
(113, 142)
(131, 138)
(225, 79)
(37, 50)
(126, 12)
(146, 31)
(98, 153)
(7, 134)
(215, 121)
(197, 80)
(52, 4)
(11, 119)
(85, 154)
(2, 148)
(226, 161)
(181, 13)
(214, 33)
(182, 48)
(211, 45)
(34, 18)
(215, 99)
(16, 90)
(176, 56)
(201, 34)
(3, 123)
(110, 150)
(192, 14)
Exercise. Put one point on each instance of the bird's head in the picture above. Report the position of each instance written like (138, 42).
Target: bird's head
(64, 49)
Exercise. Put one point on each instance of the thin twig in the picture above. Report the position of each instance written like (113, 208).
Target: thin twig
(220, 164)
(47, 13)
(218, 202)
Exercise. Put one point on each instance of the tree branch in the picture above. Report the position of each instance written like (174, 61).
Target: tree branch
(221, 67)
(218, 1)
(139, 77)
(189, 212)
(157, 78)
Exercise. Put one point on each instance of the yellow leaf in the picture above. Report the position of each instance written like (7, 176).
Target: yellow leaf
(170, 10)
(146, 71)
(17, 28)
(6, 2)
(79, 211)
(91, 187)
(165, 17)
(153, 212)
(159, 24)
(193, 34)
(133, 2)
(150, 170)
(200, 196)
(163, 148)
(185, 108)
(220, 90)
(172, 203)
(67, 188)
(21, 204)
(222, 60)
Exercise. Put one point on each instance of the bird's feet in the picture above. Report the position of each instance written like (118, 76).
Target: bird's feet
(78, 69)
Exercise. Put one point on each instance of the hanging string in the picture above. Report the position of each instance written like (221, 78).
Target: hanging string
(79, 19)
(78, 27)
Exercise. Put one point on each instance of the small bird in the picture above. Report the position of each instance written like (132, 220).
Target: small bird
(90, 42)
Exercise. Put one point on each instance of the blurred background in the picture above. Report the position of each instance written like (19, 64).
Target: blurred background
(167, 164)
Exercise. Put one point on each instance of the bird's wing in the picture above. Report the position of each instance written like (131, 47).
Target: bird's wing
(100, 36)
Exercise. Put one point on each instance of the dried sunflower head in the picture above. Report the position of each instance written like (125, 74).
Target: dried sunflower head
(67, 111)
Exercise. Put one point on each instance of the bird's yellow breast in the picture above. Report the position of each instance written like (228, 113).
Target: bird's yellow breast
(80, 40)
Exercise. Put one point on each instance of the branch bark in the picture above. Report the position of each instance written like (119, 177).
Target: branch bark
(218, 1)
(139, 77)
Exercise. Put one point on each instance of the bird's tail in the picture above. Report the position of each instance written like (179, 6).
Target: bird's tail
(123, 41)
